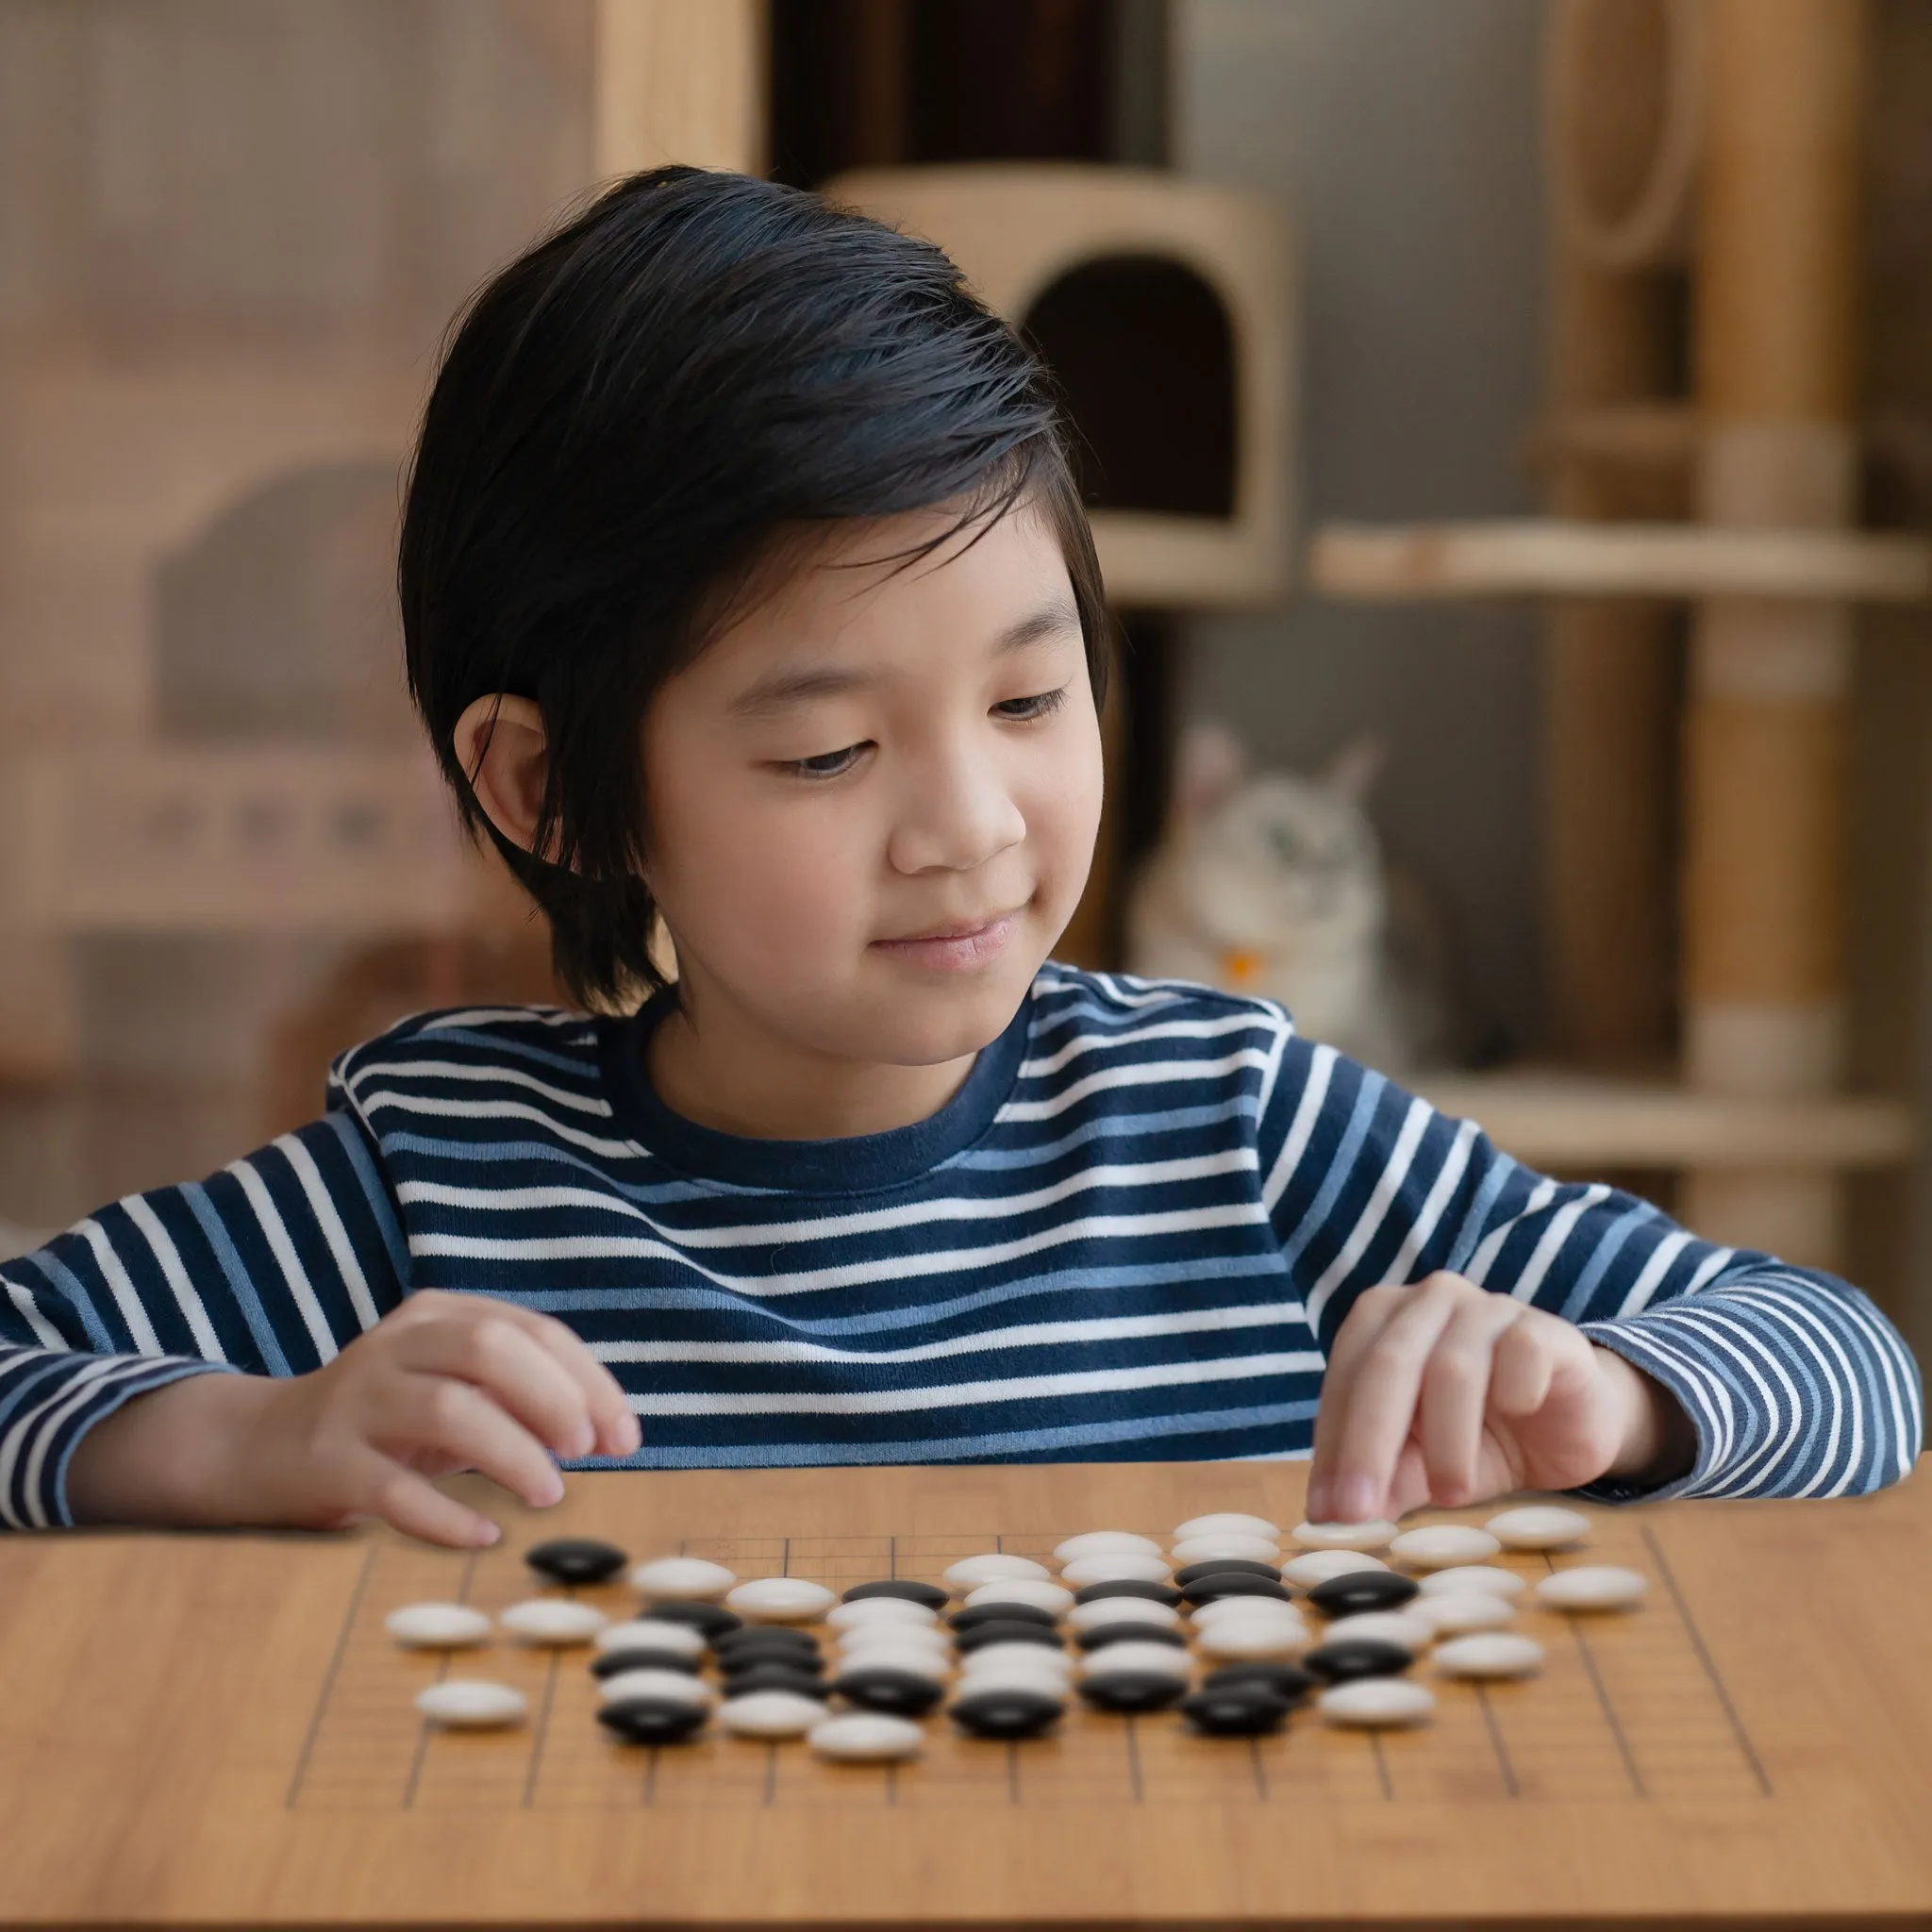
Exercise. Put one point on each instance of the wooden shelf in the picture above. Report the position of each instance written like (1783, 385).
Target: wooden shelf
(1553, 1117)
(1544, 558)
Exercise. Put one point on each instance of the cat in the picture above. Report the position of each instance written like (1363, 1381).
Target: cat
(1273, 884)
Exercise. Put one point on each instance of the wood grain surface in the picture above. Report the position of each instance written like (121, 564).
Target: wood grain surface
(214, 1730)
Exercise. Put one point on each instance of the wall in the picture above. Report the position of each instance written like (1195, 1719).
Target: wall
(1403, 140)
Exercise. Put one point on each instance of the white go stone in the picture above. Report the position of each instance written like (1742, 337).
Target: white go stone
(1052, 1597)
(472, 1704)
(650, 1636)
(882, 1613)
(682, 1580)
(1412, 1634)
(1124, 1609)
(1322, 1566)
(676, 1687)
(934, 1666)
(1227, 1609)
(553, 1621)
(438, 1626)
(1244, 1639)
(1488, 1579)
(1228, 1523)
(865, 1737)
(780, 1600)
(1592, 1586)
(992, 1656)
(1489, 1654)
(1440, 1545)
(928, 1638)
(1105, 1542)
(1377, 1703)
(969, 1572)
(770, 1714)
(1343, 1535)
(1124, 1568)
(1455, 1612)
(1011, 1671)
(1128, 1658)
(1224, 1549)
(1539, 1528)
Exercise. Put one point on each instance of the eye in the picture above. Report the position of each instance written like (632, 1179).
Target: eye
(828, 764)
(1043, 704)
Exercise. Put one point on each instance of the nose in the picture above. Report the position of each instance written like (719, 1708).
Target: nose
(956, 811)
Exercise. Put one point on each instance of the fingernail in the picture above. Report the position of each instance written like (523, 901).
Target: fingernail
(633, 1435)
(550, 1491)
(1352, 1498)
(485, 1534)
(584, 1440)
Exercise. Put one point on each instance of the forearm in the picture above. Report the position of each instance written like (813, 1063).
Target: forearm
(174, 1456)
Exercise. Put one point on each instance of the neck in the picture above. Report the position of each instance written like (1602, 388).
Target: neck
(715, 1064)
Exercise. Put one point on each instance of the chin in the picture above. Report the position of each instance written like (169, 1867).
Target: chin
(942, 1023)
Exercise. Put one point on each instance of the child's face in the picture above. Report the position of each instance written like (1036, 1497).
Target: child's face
(872, 802)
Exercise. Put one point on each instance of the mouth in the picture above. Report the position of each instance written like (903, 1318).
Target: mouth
(957, 943)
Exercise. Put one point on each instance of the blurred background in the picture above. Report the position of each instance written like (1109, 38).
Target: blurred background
(1509, 425)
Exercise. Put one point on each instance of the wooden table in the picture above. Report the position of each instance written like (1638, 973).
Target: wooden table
(215, 1730)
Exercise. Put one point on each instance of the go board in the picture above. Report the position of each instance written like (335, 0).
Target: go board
(218, 1729)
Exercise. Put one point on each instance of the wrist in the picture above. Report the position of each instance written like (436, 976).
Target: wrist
(172, 1456)
(1657, 1440)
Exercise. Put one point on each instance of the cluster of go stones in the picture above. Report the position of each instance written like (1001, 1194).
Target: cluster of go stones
(1214, 1625)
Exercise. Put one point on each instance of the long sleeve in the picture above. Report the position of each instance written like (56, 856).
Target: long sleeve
(269, 1267)
(1796, 1383)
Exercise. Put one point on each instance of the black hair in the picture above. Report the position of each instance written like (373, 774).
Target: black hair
(630, 421)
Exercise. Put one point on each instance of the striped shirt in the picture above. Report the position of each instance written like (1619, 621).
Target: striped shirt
(1132, 1233)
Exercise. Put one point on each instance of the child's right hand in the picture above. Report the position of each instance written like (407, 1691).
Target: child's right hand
(446, 1382)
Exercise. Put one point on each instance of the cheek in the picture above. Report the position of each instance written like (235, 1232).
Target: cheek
(743, 872)
(1063, 800)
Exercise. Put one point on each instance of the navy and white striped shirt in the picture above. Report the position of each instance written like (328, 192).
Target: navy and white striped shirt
(1132, 1233)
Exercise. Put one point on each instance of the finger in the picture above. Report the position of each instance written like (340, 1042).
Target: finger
(450, 1417)
(486, 1346)
(409, 1502)
(615, 1427)
(1374, 1310)
(612, 1428)
(1455, 1390)
(1523, 1370)
(1382, 1396)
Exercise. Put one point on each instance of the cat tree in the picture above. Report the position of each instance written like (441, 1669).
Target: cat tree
(1743, 153)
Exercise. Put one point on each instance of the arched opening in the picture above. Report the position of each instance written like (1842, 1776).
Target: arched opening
(1143, 351)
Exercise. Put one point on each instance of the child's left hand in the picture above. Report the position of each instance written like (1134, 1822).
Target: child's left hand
(1444, 1392)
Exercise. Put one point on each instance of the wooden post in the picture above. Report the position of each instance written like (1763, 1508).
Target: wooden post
(680, 80)
(1776, 299)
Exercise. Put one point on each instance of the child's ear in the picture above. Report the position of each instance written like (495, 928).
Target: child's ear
(1210, 763)
(500, 742)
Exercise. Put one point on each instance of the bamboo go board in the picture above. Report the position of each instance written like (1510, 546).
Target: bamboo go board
(217, 1729)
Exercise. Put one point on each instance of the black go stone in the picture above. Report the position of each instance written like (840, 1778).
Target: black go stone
(612, 1663)
(732, 1643)
(1284, 1680)
(651, 1720)
(775, 1677)
(809, 1661)
(994, 1613)
(1133, 1694)
(1362, 1590)
(712, 1619)
(575, 1559)
(1128, 1586)
(1227, 1566)
(1008, 1630)
(930, 1594)
(1349, 1658)
(1240, 1712)
(903, 1694)
(1225, 1582)
(1007, 1714)
(1130, 1633)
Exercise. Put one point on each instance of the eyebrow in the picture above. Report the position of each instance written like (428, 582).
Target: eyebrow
(783, 689)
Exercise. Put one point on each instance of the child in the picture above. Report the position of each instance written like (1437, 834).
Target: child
(744, 583)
